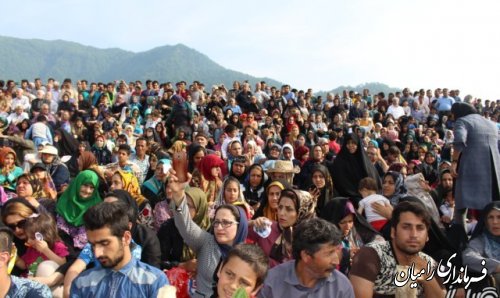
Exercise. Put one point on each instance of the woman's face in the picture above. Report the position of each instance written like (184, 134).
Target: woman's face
(287, 214)
(198, 157)
(159, 128)
(429, 158)
(86, 191)
(231, 192)
(215, 171)
(255, 177)
(352, 146)
(149, 132)
(273, 196)
(24, 188)
(493, 222)
(16, 223)
(226, 235)
(318, 179)
(9, 160)
(81, 148)
(346, 224)
(159, 174)
(388, 186)
(116, 182)
(302, 140)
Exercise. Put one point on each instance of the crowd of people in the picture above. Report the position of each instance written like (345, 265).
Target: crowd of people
(286, 193)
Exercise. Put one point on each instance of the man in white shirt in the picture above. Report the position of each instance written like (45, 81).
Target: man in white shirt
(395, 109)
(21, 100)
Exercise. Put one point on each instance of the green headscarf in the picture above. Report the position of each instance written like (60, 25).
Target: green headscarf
(200, 203)
(200, 218)
(70, 206)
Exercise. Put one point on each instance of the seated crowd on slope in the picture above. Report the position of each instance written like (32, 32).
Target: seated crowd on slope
(285, 192)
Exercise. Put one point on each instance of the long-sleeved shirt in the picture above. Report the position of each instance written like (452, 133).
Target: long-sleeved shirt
(204, 245)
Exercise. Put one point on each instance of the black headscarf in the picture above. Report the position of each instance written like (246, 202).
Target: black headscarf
(67, 144)
(195, 148)
(481, 223)
(462, 109)
(335, 211)
(327, 193)
(349, 169)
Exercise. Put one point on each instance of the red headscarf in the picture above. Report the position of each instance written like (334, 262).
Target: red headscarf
(207, 163)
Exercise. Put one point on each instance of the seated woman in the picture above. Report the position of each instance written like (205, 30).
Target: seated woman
(128, 182)
(485, 244)
(231, 194)
(88, 161)
(174, 250)
(15, 213)
(230, 227)
(269, 205)
(80, 195)
(211, 169)
(356, 231)
(254, 185)
(9, 171)
(153, 188)
(293, 207)
(322, 187)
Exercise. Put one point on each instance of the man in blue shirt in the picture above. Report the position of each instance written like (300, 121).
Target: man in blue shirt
(13, 286)
(121, 275)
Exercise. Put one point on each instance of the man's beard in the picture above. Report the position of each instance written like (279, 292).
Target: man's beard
(111, 263)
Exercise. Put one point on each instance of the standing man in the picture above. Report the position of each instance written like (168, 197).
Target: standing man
(121, 275)
(475, 161)
(316, 248)
(375, 265)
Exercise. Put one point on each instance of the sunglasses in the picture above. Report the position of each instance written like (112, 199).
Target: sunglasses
(20, 224)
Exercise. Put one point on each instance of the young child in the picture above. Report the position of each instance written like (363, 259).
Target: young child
(368, 190)
(43, 243)
(244, 270)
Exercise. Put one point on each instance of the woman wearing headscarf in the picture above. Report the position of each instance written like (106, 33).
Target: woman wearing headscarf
(67, 145)
(128, 182)
(356, 231)
(80, 195)
(230, 227)
(268, 207)
(254, 185)
(350, 166)
(211, 168)
(321, 187)
(173, 247)
(88, 161)
(294, 206)
(232, 194)
(153, 188)
(485, 243)
(475, 161)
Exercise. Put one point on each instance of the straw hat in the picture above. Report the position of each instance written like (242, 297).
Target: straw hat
(283, 166)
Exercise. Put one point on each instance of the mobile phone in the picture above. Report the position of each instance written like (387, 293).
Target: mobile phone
(180, 165)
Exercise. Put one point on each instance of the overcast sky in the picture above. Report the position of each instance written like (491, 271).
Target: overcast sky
(318, 44)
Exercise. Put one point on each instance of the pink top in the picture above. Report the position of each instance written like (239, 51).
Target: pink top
(32, 254)
(266, 243)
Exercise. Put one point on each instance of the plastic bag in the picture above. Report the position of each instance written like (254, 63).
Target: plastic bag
(179, 278)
